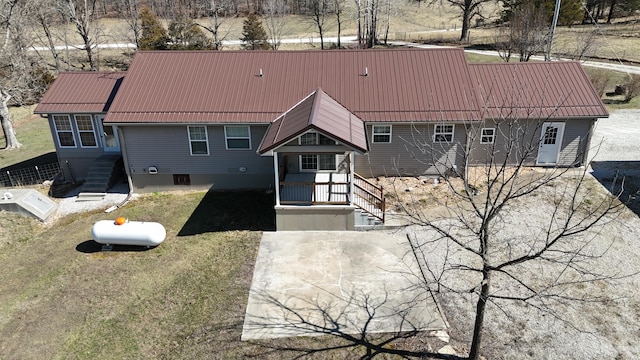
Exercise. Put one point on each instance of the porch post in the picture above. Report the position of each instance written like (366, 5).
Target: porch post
(277, 175)
(351, 177)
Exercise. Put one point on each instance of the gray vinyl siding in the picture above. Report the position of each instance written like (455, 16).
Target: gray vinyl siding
(412, 152)
(575, 142)
(76, 161)
(168, 149)
(526, 134)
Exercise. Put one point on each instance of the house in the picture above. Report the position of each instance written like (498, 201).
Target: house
(314, 125)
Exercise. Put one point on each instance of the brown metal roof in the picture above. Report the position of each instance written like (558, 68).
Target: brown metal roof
(320, 112)
(227, 86)
(77, 92)
(542, 90)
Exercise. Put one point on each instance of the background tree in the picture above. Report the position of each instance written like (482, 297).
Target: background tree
(217, 9)
(339, 6)
(469, 9)
(22, 80)
(81, 13)
(526, 32)
(130, 10)
(319, 14)
(571, 11)
(185, 34)
(254, 37)
(276, 16)
(153, 35)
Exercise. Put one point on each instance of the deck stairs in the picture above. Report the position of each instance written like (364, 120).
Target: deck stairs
(103, 173)
(370, 202)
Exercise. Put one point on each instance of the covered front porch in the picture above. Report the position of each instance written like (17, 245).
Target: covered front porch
(325, 200)
(313, 146)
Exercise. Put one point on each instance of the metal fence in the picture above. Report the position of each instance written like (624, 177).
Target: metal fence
(29, 176)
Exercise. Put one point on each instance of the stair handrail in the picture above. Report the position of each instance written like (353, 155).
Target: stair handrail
(375, 191)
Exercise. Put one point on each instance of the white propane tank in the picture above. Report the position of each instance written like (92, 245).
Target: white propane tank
(139, 233)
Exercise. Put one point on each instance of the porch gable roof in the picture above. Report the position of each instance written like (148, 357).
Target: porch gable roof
(318, 111)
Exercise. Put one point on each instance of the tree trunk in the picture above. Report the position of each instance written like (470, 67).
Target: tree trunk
(476, 341)
(466, 20)
(7, 126)
(611, 9)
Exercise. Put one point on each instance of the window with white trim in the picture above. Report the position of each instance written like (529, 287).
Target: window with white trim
(64, 131)
(317, 162)
(314, 138)
(381, 133)
(487, 135)
(86, 133)
(198, 140)
(443, 133)
(237, 137)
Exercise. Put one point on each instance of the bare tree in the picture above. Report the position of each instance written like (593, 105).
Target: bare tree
(10, 61)
(130, 10)
(275, 19)
(339, 10)
(216, 8)
(525, 35)
(81, 14)
(44, 12)
(469, 9)
(320, 17)
(372, 8)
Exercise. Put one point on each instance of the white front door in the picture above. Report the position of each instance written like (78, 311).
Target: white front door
(110, 142)
(550, 142)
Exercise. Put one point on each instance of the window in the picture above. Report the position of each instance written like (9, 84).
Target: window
(381, 133)
(181, 179)
(317, 162)
(64, 132)
(237, 137)
(199, 144)
(320, 162)
(87, 136)
(487, 135)
(308, 162)
(314, 138)
(443, 133)
(550, 135)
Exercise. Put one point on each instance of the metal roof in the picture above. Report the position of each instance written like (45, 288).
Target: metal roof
(320, 112)
(258, 86)
(78, 92)
(538, 90)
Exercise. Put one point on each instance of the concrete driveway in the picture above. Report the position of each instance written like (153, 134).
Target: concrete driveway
(310, 283)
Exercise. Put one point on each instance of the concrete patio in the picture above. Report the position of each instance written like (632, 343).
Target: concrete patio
(312, 283)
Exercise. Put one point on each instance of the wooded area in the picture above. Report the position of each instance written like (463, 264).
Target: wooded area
(42, 37)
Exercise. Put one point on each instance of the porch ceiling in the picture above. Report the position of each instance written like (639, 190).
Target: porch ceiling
(319, 112)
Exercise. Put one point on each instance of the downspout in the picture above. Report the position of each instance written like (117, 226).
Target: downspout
(277, 175)
(125, 161)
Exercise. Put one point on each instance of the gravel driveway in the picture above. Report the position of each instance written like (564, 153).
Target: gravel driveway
(584, 330)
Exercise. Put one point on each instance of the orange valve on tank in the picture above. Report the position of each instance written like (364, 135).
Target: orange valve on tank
(120, 220)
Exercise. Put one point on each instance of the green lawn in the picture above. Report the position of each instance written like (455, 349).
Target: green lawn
(32, 132)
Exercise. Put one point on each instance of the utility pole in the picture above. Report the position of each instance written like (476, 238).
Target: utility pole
(556, 12)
